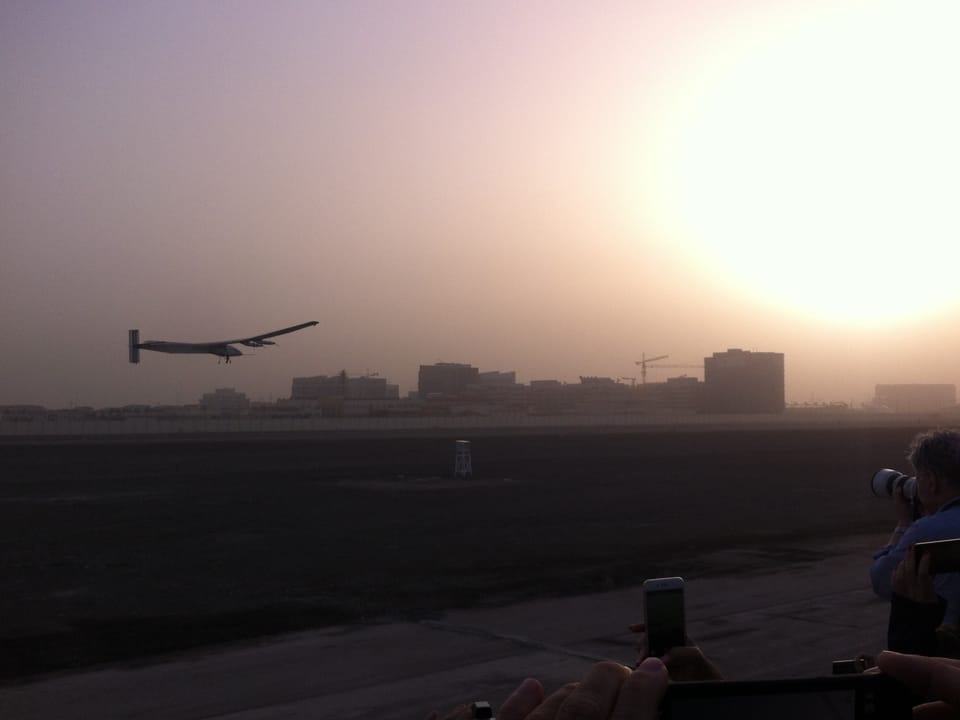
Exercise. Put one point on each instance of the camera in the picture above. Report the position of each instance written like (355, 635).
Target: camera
(886, 482)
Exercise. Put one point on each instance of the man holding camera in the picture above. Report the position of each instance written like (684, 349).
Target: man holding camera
(935, 456)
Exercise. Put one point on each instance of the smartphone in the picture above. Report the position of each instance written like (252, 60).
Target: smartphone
(944, 555)
(664, 614)
(839, 697)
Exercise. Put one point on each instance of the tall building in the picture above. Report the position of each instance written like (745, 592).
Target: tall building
(740, 381)
(446, 379)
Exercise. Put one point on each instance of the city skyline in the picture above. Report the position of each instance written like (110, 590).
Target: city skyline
(545, 187)
(886, 396)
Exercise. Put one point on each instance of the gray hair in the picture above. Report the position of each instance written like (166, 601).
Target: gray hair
(937, 452)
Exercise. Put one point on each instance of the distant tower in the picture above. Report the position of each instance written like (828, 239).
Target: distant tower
(462, 467)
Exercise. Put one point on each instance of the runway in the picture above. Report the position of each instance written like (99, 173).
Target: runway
(119, 551)
(756, 618)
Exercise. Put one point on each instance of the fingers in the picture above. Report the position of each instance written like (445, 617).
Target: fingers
(522, 701)
(910, 562)
(643, 648)
(951, 662)
(937, 678)
(925, 589)
(688, 663)
(548, 709)
(898, 579)
(641, 692)
(595, 696)
(609, 690)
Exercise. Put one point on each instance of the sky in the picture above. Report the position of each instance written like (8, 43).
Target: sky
(553, 188)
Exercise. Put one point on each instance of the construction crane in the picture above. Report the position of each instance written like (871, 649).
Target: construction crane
(642, 362)
(633, 380)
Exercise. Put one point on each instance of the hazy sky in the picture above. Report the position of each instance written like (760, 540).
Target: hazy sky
(547, 187)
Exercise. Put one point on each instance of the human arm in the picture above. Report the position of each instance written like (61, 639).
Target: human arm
(915, 609)
(885, 561)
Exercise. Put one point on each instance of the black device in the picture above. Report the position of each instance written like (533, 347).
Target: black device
(481, 710)
(834, 697)
(664, 614)
(856, 665)
(944, 555)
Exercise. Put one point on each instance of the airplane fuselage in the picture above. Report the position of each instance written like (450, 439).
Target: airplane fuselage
(226, 351)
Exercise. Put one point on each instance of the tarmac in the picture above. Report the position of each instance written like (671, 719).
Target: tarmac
(755, 614)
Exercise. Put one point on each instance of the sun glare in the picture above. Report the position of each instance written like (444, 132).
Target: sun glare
(815, 164)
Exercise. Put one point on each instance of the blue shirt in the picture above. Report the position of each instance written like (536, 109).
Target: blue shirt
(944, 524)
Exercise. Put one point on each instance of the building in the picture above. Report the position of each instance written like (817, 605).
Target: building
(495, 378)
(224, 401)
(446, 379)
(596, 395)
(322, 387)
(915, 398)
(677, 394)
(22, 413)
(547, 397)
(741, 381)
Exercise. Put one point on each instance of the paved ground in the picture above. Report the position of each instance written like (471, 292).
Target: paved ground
(124, 549)
(753, 617)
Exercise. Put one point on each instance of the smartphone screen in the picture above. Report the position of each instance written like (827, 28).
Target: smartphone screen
(834, 704)
(665, 617)
(944, 555)
(844, 697)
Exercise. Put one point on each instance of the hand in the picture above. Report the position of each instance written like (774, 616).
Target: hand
(683, 663)
(609, 691)
(689, 663)
(913, 580)
(522, 701)
(903, 509)
(931, 677)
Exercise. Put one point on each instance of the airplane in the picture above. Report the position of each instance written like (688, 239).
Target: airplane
(223, 348)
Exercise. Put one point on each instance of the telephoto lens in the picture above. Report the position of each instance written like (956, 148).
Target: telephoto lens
(886, 482)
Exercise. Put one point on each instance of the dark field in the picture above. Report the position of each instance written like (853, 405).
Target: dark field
(113, 550)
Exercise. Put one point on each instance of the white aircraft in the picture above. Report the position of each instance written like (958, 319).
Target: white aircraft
(222, 348)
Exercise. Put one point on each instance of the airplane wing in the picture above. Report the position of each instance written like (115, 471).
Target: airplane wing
(259, 338)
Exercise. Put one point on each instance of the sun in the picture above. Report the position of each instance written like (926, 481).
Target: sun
(815, 163)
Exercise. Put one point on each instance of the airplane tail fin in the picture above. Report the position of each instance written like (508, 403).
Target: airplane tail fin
(134, 346)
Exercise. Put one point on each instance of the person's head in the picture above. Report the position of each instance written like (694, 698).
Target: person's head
(935, 456)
